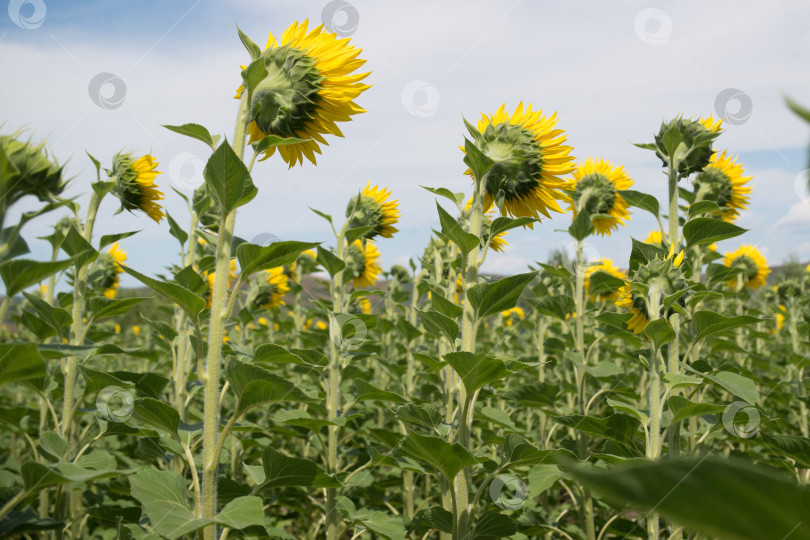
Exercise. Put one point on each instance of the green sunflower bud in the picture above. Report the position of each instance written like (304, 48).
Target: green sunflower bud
(27, 169)
(687, 143)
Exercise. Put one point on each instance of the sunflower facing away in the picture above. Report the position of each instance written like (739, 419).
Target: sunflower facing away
(371, 208)
(722, 181)
(361, 263)
(604, 265)
(666, 274)
(109, 266)
(530, 159)
(136, 186)
(596, 184)
(754, 266)
(271, 294)
(309, 87)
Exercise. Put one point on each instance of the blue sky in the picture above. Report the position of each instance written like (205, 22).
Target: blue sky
(612, 71)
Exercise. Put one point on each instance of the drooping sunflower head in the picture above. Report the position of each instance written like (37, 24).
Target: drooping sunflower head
(604, 265)
(596, 185)
(695, 148)
(661, 276)
(510, 316)
(529, 160)
(135, 184)
(310, 85)
(722, 181)
(754, 267)
(107, 269)
(273, 286)
(371, 208)
(361, 263)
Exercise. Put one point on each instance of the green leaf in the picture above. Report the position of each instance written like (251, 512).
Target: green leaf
(682, 408)
(465, 241)
(660, 332)
(191, 280)
(445, 306)
(242, 512)
(437, 518)
(228, 178)
(195, 131)
(706, 230)
(253, 50)
(503, 224)
(702, 207)
(78, 248)
(163, 496)
(616, 427)
(176, 230)
(102, 307)
(642, 253)
(800, 110)
(284, 471)
(737, 384)
(276, 354)
(368, 392)
(491, 298)
(447, 458)
(156, 414)
(423, 415)
(191, 303)
(790, 446)
(493, 525)
(253, 258)
(671, 140)
(718, 498)
(330, 262)
(20, 362)
(457, 198)
(518, 452)
(255, 386)
(478, 162)
(709, 323)
(56, 317)
(19, 274)
(581, 226)
(476, 370)
(438, 324)
(255, 73)
(641, 200)
(108, 239)
(271, 141)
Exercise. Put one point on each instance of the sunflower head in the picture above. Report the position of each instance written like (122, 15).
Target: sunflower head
(361, 263)
(754, 267)
(660, 276)
(788, 289)
(106, 272)
(28, 169)
(779, 320)
(722, 181)
(529, 159)
(595, 186)
(135, 184)
(604, 266)
(306, 262)
(694, 150)
(371, 208)
(310, 85)
(655, 238)
(510, 316)
(272, 289)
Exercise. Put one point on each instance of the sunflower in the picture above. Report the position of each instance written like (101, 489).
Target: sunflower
(135, 184)
(510, 315)
(722, 181)
(695, 149)
(270, 295)
(309, 87)
(779, 319)
(530, 160)
(604, 266)
(754, 266)
(496, 243)
(212, 276)
(361, 263)
(655, 238)
(596, 186)
(106, 274)
(666, 273)
(371, 208)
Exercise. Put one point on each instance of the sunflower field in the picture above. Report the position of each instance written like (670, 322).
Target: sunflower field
(296, 390)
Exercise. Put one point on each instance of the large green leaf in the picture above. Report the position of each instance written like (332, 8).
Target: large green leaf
(490, 298)
(641, 200)
(19, 362)
(102, 307)
(255, 386)
(476, 370)
(493, 525)
(191, 303)
(163, 496)
(195, 131)
(709, 322)
(721, 499)
(706, 230)
(157, 414)
(790, 446)
(438, 324)
(253, 258)
(228, 178)
(18, 274)
(56, 317)
(448, 458)
(451, 228)
(682, 408)
(616, 427)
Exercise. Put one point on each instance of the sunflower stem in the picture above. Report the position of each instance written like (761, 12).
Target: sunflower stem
(653, 450)
(211, 377)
